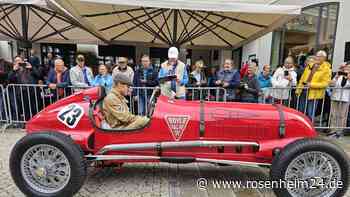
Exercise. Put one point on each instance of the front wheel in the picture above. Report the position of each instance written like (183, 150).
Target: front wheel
(47, 164)
(311, 168)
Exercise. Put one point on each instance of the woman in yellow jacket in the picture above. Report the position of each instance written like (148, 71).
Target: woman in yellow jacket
(316, 77)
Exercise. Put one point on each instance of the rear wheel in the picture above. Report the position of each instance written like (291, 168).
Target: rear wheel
(311, 168)
(47, 164)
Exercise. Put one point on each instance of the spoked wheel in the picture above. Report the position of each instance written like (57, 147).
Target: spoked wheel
(312, 168)
(47, 164)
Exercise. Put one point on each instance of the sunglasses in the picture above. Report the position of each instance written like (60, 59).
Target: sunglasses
(122, 62)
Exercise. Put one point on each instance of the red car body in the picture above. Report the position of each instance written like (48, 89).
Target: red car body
(270, 126)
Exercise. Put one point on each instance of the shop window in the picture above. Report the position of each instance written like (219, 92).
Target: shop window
(65, 51)
(313, 30)
(109, 54)
(347, 52)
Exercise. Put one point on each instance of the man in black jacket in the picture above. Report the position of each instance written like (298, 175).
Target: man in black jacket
(249, 88)
(22, 99)
(146, 76)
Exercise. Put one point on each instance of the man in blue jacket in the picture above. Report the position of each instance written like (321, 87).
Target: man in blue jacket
(58, 79)
(228, 78)
(264, 79)
(145, 78)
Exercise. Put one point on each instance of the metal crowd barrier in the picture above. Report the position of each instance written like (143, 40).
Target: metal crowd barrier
(206, 93)
(20, 102)
(25, 100)
(141, 95)
(326, 112)
(4, 119)
(139, 98)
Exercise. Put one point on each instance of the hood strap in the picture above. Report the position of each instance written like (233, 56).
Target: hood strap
(282, 122)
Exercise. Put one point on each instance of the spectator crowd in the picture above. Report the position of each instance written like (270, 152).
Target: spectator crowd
(308, 86)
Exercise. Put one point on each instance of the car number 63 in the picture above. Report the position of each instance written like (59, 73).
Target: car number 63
(70, 115)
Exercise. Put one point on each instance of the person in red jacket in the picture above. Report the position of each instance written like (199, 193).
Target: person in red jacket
(244, 70)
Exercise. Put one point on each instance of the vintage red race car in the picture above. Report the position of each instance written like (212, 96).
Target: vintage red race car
(67, 136)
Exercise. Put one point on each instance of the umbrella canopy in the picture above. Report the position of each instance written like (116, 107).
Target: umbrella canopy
(33, 21)
(200, 23)
(190, 23)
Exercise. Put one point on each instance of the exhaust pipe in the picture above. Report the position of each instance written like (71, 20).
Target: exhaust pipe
(178, 160)
(169, 145)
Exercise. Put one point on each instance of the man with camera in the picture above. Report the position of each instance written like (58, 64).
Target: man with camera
(283, 79)
(23, 72)
(23, 97)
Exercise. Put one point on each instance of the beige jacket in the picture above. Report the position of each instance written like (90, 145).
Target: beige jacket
(180, 88)
(117, 115)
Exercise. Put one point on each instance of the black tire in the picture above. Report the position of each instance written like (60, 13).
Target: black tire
(65, 144)
(281, 161)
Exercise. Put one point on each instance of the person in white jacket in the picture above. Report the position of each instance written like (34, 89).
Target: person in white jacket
(283, 79)
(340, 99)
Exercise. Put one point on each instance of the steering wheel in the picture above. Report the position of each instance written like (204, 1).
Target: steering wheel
(152, 101)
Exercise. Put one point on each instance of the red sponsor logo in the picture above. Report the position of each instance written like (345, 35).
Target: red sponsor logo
(177, 125)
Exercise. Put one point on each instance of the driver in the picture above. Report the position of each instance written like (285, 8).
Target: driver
(115, 108)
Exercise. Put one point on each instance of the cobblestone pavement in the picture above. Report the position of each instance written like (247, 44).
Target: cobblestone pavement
(148, 180)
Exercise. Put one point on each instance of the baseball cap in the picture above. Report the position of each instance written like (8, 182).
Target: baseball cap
(121, 78)
(173, 52)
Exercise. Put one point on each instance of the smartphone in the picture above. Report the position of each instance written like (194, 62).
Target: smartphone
(342, 73)
(23, 64)
(286, 73)
(167, 78)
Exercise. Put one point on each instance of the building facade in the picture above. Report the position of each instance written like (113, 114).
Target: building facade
(322, 25)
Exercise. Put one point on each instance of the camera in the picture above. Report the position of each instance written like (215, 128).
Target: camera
(24, 64)
(341, 73)
(242, 85)
(286, 73)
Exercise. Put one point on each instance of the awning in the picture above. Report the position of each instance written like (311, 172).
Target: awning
(180, 22)
(33, 21)
(190, 23)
